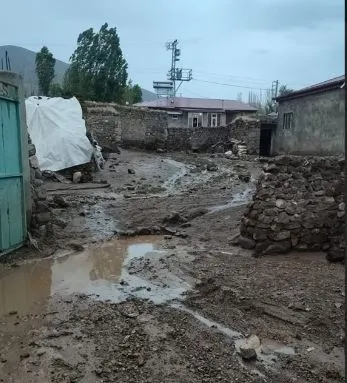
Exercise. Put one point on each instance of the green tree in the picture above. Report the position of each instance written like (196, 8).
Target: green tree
(45, 63)
(132, 94)
(284, 90)
(98, 70)
(55, 90)
(137, 94)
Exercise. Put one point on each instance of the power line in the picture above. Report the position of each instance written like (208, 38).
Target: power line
(232, 85)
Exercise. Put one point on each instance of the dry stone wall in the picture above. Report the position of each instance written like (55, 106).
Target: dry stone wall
(299, 204)
(178, 139)
(133, 127)
(40, 211)
(246, 130)
(203, 138)
(114, 124)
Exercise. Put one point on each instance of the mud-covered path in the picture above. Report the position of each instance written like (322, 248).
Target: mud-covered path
(173, 300)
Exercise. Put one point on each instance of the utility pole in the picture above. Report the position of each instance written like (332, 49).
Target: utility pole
(174, 75)
(274, 89)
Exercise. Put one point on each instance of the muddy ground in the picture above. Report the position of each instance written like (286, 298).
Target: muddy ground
(140, 282)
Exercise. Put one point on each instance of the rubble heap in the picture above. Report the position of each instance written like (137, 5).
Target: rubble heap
(40, 214)
(299, 204)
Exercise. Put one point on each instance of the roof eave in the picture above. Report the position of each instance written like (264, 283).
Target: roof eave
(307, 92)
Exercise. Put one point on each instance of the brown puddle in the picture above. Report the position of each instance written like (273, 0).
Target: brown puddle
(96, 271)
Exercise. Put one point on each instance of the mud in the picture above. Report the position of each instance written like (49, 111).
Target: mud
(95, 306)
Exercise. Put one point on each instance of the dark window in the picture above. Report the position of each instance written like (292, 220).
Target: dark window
(288, 120)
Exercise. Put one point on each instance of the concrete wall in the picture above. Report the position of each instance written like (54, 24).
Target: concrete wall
(299, 204)
(318, 125)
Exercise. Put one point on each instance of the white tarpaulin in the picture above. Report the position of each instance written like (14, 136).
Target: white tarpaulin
(58, 131)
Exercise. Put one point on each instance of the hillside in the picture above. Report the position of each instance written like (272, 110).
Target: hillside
(23, 62)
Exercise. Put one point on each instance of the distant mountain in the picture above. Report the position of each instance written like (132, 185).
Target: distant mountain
(22, 61)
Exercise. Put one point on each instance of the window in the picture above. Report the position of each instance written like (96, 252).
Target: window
(288, 120)
(174, 117)
(213, 120)
(194, 120)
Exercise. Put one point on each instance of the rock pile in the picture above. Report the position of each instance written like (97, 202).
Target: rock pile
(299, 204)
(40, 214)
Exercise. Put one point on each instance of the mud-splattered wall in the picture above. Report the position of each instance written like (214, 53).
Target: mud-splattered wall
(246, 130)
(299, 204)
(114, 124)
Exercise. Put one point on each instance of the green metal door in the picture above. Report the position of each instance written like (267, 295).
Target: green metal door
(12, 208)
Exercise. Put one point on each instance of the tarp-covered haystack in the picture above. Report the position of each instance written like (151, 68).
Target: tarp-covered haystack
(58, 131)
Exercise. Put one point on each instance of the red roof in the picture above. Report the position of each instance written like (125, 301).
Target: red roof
(183, 103)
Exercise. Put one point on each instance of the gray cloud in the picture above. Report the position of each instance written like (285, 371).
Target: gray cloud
(239, 42)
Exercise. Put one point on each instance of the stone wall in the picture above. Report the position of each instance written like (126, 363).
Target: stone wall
(178, 139)
(246, 130)
(40, 212)
(318, 125)
(103, 120)
(299, 204)
(143, 128)
(132, 127)
(204, 138)
(114, 124)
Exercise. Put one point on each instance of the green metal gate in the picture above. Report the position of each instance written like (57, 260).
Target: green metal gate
(12, 197)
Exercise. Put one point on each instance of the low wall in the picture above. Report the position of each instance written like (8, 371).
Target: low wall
(114, 124)
(246, 130)
(143, 128)
(103, 120)
(299, 204)
(204, 138)
(178, 138)
(40, 211)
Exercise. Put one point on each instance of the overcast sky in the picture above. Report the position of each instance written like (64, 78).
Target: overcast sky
(247, 43)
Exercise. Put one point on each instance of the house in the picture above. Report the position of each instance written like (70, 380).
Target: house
(312, 120)
(184, 112)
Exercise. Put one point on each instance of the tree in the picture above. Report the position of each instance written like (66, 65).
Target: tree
(98, 70)
(137, 94)
(284, 90)
(55, 90)
(45, 63)
(132, 94)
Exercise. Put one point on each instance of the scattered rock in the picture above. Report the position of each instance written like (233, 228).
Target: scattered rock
(24, 355)
(13, 312)
(211, 167)
(131, 171)
(175, 218)
(60, 201)
(76, 177)
(76, 246)
(244, 177)
(246, 243)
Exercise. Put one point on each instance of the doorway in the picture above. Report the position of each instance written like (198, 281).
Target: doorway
(265, 141)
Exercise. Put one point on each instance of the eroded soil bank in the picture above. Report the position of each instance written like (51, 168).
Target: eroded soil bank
(140, 282)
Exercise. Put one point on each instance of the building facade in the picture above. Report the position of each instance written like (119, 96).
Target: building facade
(186, 112)
(311, 121)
